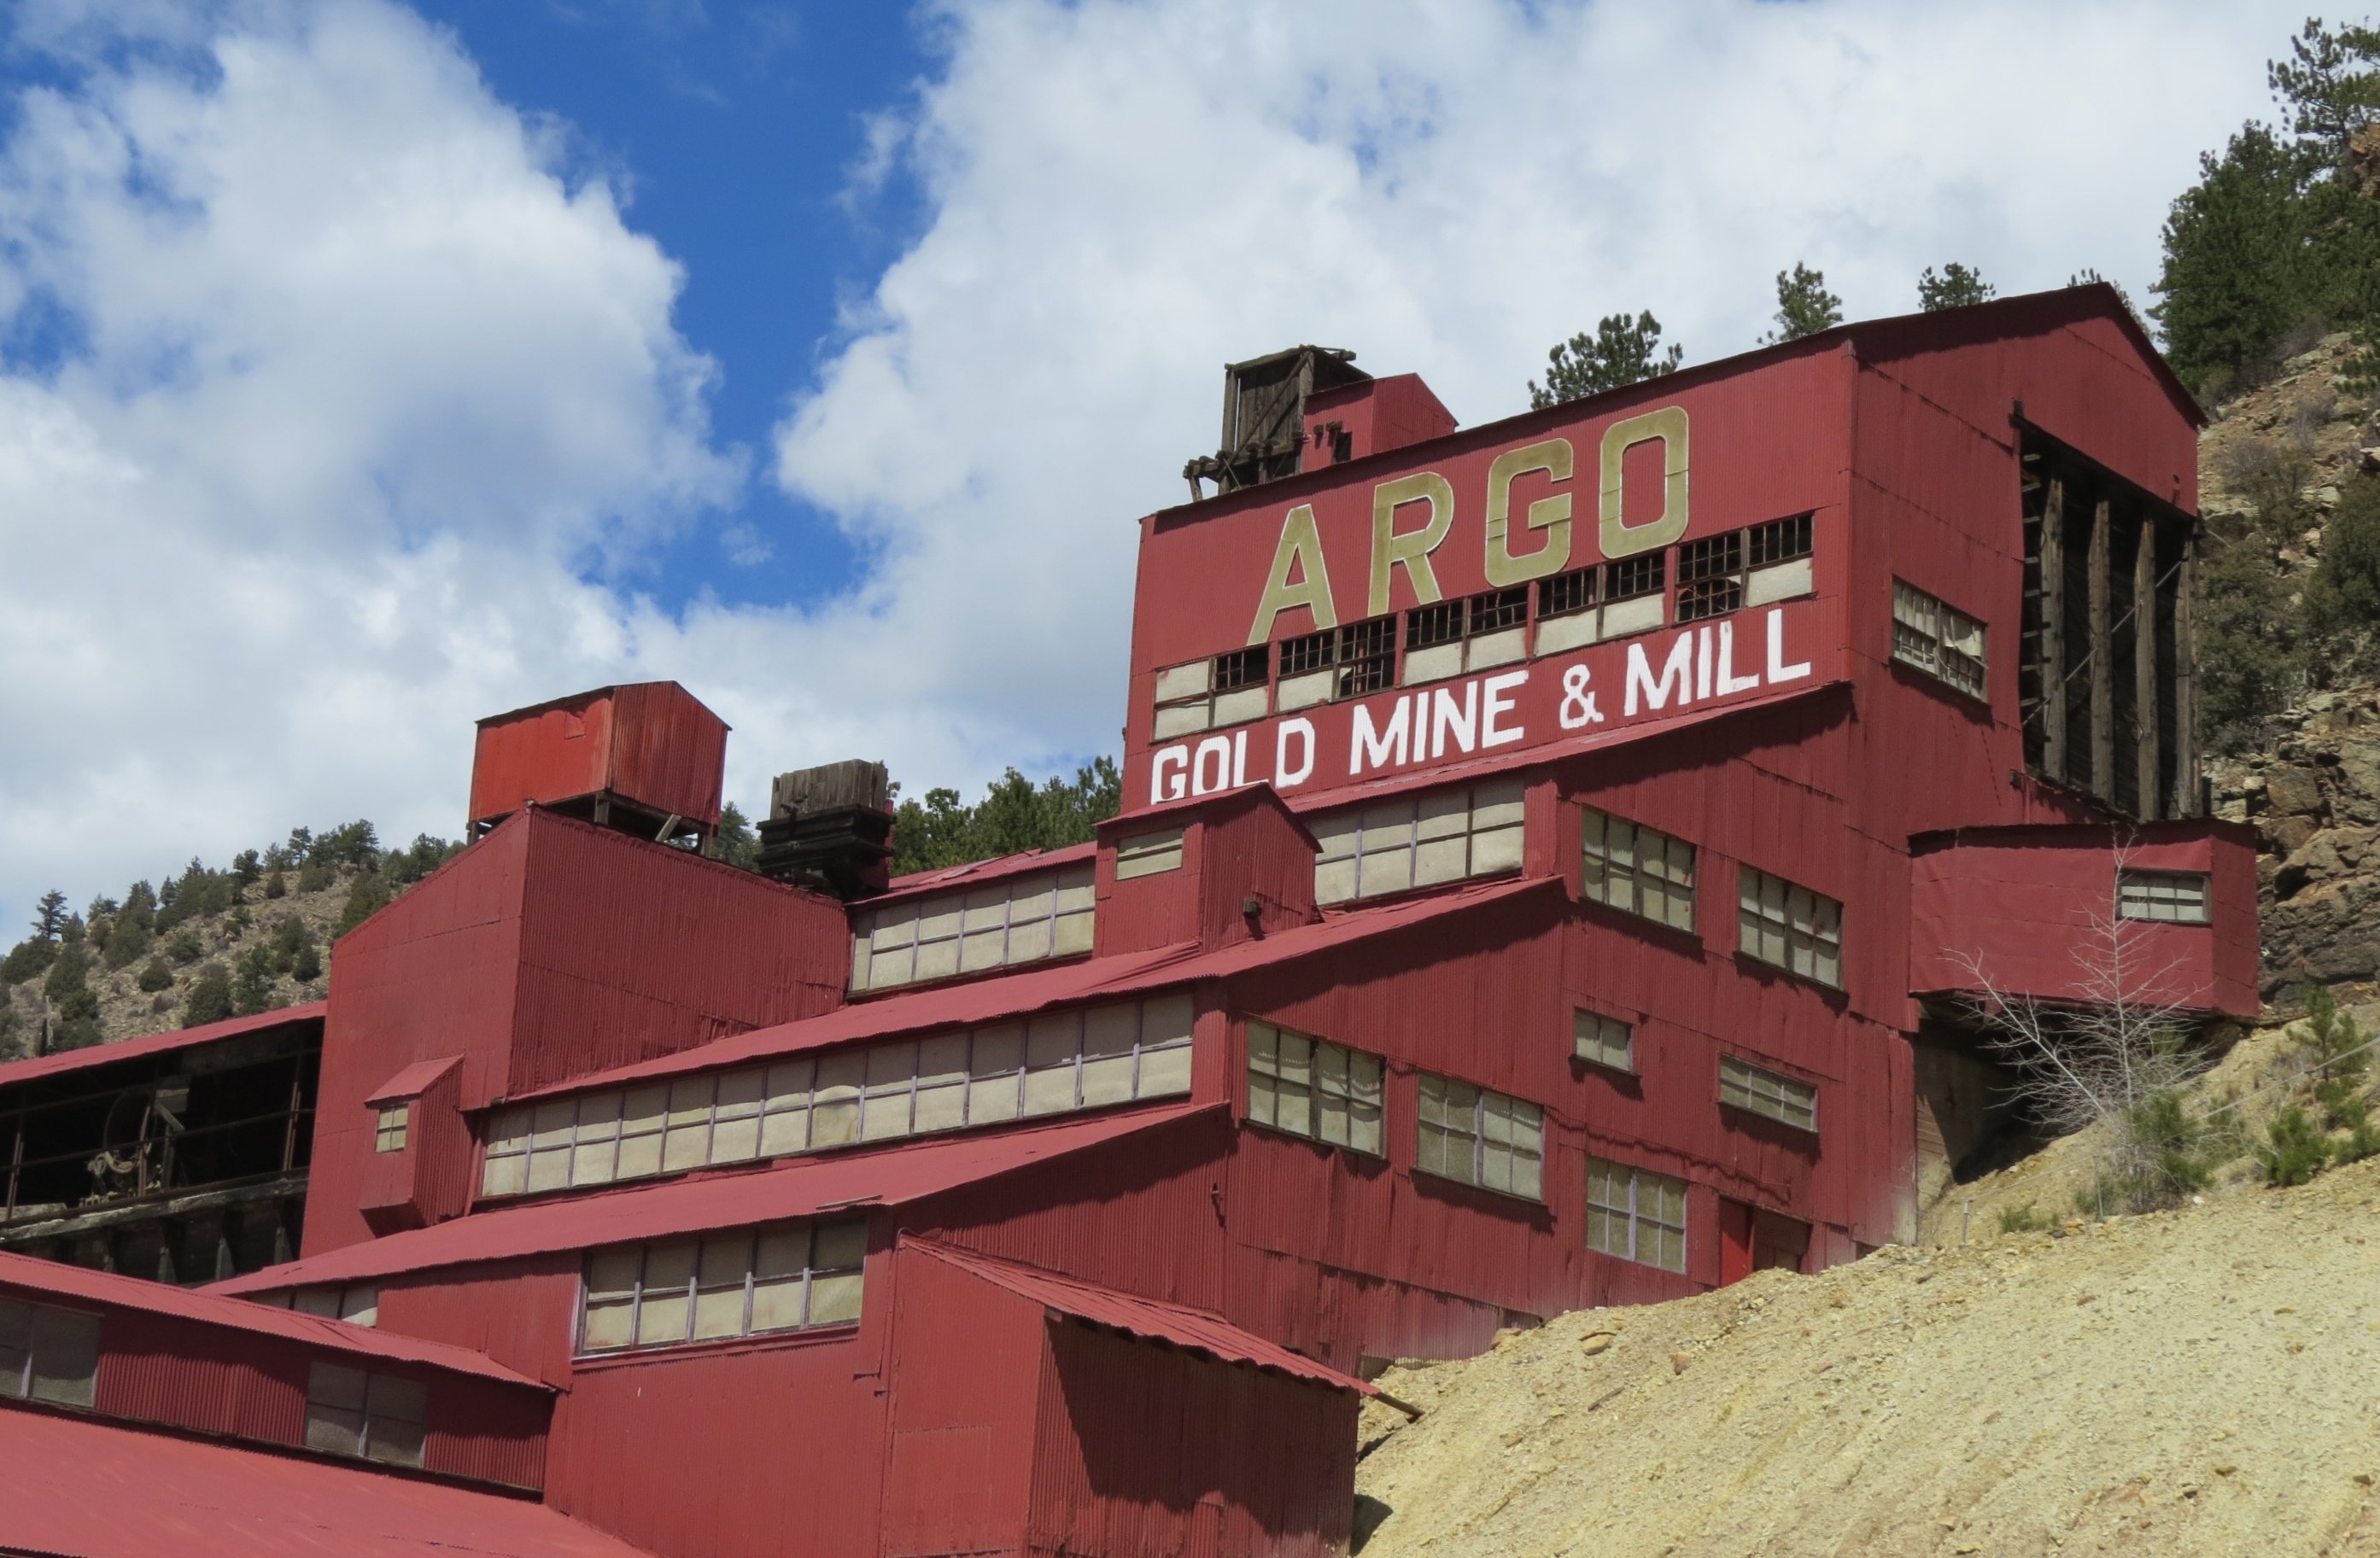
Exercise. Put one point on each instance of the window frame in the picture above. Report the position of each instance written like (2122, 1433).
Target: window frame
(1506, 831)
(392, 1125)
(374, 1418)
(1633, 1217)
(1926, 632)
(1600, 868)
(57, 1361)
(1581, 1018)
(1219, 694)
(1067, 927)
(1794, 1103)
(1318, 1090)
(814, 1233)
(2130, 877)
(1752, 907)
(1483, 1104)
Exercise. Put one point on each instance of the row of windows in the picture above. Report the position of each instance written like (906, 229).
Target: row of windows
(743, 1281)
(47, 1354)
(1310, 1088)
(372, 1416)
(356, 1303)
(1048, 1065)
(1418, 842)
(1755, 566)
(1645, 872)
(999, 924)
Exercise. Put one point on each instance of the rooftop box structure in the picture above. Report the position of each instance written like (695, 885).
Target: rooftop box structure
(646, 757)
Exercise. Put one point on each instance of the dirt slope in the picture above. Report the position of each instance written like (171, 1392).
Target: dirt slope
(2204, 1381)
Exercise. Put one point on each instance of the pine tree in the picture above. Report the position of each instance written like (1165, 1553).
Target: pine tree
(734, 840)
(1621, 352)
(252, 992)
(50, 915)
(1956, 287)
(209, 998)
(1804, 306)
(2240, 269)
(1013, 815)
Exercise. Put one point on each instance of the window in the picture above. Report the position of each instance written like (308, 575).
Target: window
(1789, 926)
(1751, 567)
(356, 1412)
(1608, 601)
(1309, 1088)
(1016, 920)
(743, 1282)
(1636, 1214)
(1049, 1064)
(1481, 1138)
(358, 1304)
(1603, 1041)
(2175, 897)
(389, 1135)
(1342, 662)
(1765, 1092)
(1149, 854)
(47, 1354)
(1930, 636)
(1418, 842)
(1453, 636)
(1226, 690)
(1637, 869)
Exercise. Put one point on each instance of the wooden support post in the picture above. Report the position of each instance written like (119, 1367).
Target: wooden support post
(16, 1167)
(2144, 669)
(2186, 782)
(2102, 655)
(289, 1131)
(2053, 631)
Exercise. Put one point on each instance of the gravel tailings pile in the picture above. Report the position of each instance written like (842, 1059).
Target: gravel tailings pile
(2204, 1381)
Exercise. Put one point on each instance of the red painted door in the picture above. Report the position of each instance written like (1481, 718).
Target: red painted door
(1734, 1241)
(1753, 1240)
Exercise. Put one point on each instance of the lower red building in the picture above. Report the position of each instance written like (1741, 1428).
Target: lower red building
(1560, 863)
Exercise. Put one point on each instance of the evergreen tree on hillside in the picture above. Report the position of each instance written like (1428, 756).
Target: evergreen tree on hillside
(1013, 815)
(50, 915)
(2241, 268)
(736, 841)
(1621, 352)
(209, 998)
(1804, 306)
(1955, 287)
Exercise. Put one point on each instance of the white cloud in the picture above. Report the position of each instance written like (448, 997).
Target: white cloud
(377, 408)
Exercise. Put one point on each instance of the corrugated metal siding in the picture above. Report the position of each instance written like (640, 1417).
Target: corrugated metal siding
(1141, 1449)
(652, 743)
(967, 1359)
(668, 751)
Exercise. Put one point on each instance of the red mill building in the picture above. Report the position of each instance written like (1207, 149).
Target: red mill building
(1552, 855)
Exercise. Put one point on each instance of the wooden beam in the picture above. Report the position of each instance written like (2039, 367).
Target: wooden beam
(2053, 631)
(2144, 667)
(2102, 657)
(2186, 783)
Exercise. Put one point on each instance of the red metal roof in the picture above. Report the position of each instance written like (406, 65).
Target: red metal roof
(156, 1043)
(897, 1173)
(414, 1081)
(1019, 994)
(52, 1279)
(94, 1488)
(983, 871)
(1150, 1318)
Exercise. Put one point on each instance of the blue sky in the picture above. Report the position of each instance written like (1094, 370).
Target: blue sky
(371, 366)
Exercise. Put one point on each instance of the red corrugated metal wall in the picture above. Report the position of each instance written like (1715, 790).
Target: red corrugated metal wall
(652, 743)
(1141, 1449)
(965, 1359)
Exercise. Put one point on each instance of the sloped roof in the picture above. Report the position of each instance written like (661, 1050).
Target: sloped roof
(1021, 994)
(166, 1043)
(38, 1279)
(975, 871)
(95, 1489)
(899, 1172)
(414, 1079)
(1151, 1319)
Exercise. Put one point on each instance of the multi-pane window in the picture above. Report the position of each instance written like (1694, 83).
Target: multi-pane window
(1224, 690)
(47, 1354)
(1481, 1138)
(1603, 1041)
(1607, 600)
(1636, 868)
(358, 1304)
(1310, 1088)
(1014, 920)
(740, 1282)
(1418, 842)
(2175, 897)
(1751, 567)
(1452, 637)
(361, 1412)
(1762, 1091)
(1786, 924)
(1339, 662)
(1931, 636)
(1636, 1214)
(389, 1132)
(1149, 854)
(1049, 1064)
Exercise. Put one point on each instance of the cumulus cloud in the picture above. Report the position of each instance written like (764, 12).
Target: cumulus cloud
(346, 409)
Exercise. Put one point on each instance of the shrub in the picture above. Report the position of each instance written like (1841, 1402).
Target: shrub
(252, 992)
(2025, 1219)
(155, 977)
(28, 958)
(210, 997)
(80, 1032)
(275, 885)
(366, 899)
(2295, 1151)
(2168, 1160)
(184, 948)
(306, 966)
(68, 988)
(316, 875)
